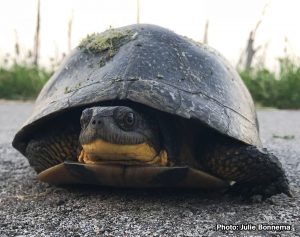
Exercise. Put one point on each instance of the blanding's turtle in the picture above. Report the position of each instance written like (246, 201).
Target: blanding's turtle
(140, 106)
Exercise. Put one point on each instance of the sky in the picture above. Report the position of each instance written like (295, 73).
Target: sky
(230, 22)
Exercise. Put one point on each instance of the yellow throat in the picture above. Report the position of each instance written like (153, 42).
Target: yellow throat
(102, 152)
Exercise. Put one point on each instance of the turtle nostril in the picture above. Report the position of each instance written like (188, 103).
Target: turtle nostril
(96, 122)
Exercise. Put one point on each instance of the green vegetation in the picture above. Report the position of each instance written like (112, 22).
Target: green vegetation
(271, 90)
(98, 43)
(280, 90)
(22, 81)
(107, 43)
(110, 41)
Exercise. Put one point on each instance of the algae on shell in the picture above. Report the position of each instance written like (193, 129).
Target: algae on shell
(107, 42)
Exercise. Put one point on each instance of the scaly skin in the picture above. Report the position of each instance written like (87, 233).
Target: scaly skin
(255, 171)
(52, 147)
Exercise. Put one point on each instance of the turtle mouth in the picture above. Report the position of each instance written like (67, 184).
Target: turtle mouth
(102, 152)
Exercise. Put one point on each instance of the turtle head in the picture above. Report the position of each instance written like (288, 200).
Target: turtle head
(119, 135)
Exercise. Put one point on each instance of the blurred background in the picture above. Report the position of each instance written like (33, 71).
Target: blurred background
(260, 38)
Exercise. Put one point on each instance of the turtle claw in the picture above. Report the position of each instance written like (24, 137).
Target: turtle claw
(263, 191)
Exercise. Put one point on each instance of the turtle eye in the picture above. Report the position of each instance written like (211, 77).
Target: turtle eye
(129, 120)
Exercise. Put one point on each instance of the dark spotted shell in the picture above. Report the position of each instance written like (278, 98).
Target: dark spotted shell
(153, 66)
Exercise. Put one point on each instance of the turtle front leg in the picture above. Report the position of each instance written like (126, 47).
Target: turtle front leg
(254, 171)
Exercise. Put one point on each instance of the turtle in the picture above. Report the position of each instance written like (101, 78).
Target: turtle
(141, 106)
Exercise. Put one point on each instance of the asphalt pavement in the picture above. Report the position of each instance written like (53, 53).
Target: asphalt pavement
(31, 208)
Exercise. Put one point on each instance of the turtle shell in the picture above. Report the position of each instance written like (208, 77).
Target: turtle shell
(155, 67)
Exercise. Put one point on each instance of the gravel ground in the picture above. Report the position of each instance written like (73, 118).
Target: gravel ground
(31, 208)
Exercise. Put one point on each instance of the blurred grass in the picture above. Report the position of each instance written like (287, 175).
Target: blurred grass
(280, 90)
(270, 90)
(22, 82)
